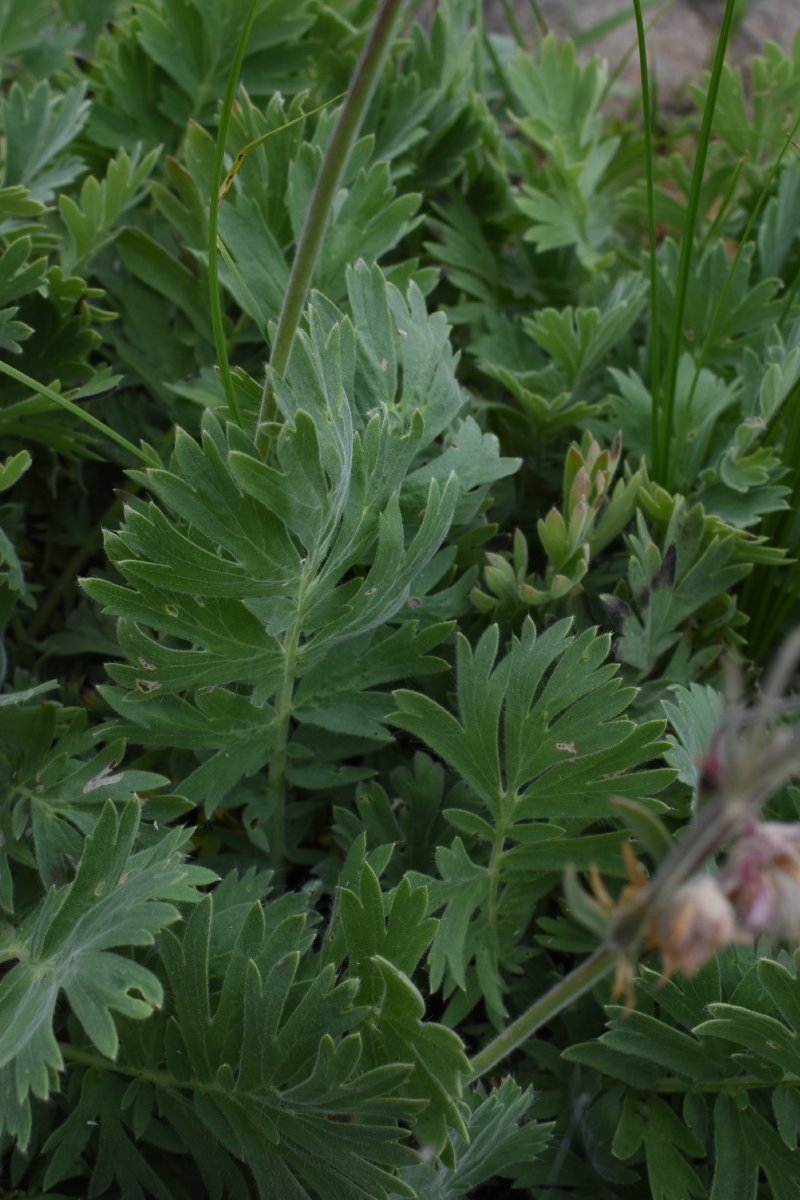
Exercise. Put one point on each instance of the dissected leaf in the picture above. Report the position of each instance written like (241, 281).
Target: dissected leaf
(117, 899)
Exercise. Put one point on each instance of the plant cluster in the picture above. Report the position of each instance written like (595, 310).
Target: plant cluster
(397, 446)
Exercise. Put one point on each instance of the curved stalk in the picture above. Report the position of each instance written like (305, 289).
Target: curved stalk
(562, 994)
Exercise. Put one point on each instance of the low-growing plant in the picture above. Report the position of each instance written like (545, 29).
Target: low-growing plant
(398, 525)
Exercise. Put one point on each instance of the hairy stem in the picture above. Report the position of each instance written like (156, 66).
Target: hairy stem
(309, 244)
(560, 996)
(708, 832)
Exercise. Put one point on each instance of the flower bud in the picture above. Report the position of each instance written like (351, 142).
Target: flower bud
(696, 922)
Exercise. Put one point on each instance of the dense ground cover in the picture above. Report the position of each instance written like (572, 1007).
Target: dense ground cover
(358, 647)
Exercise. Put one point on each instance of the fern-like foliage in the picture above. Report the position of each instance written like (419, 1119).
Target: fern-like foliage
(256, 907)
(541, 741)
(498, 1139)
(669, 584)
(263, 1063)
(117, 899)
(57, 780)
(285, 590)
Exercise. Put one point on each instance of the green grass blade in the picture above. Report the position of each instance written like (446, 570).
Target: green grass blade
(70, 406)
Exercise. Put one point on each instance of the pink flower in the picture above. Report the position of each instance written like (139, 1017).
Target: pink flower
(762, 880)
(696, 922)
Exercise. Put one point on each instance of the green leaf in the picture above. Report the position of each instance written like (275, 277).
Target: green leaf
(786, 1107)
(736, 1171)
(469, 746)
(566, 199)
(23, 24)
(694, 713)
(272, 1061)
(669, 585)
(649, 1039)
(440, 1064)
(463, 887)
(651, 1122)
(579, 341)
(89, 220)
(370, 217)
(560, 98)
(765, 1036)
(784, 989)
(39, 127)
(57, 780)
(13, 468)
(148, 261)
(564, 216)
(405, 937)
(745, 317)
(382, 953)
(745, 1142)
(209, 35)
(117, 1155)
(632, 1070)
(116, 899)
(18, 273)
(12, 332)
(560, 709)
(500, 1134)
(777, 229)
(248, 568)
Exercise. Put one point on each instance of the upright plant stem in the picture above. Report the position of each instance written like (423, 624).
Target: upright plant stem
(655, 439)
(215, 306)
(309, 244)
(661, 467)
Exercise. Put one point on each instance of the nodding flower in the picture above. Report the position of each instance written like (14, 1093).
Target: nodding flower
(762, 880)
(688, 914)
(755, 893)
(696, 922)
